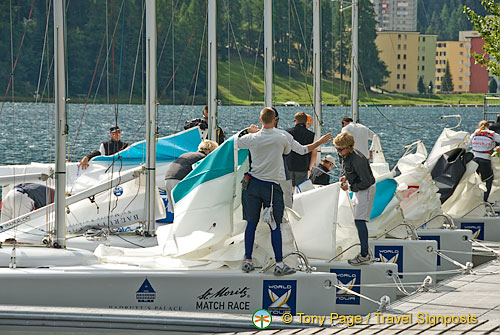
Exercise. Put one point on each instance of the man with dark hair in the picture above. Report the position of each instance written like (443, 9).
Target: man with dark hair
(361, 135)
(203, 124)
(300, 165)
(24, 198)
(262, 188)
(320, 174)
(108, 148)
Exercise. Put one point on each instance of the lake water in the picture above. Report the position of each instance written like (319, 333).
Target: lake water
(26, 129)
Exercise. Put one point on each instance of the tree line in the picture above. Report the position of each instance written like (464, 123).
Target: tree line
(105, 52)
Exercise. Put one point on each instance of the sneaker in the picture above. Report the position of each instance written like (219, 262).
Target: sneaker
(247, 267)
(360, 260)
(282, 271)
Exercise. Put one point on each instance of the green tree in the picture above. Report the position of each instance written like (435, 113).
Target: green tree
(447, 83)
(373, 69)
(421, 85)
(489, 27)
(493, 86)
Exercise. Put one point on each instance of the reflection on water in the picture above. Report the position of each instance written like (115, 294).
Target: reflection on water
(26, 129)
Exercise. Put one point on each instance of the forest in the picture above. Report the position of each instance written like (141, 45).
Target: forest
(105, 51)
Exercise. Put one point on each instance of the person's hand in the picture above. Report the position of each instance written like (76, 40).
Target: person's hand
(253, 129)
(344, 186)
(84, 163)
(371, 155)
(342, 179)
(326, 138)
(497, 148)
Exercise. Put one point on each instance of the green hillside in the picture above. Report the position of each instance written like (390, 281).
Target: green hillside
(244, 85)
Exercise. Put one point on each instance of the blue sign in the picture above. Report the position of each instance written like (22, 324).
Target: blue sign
(476, 227)
(436, 238)
(390, 254)
(280, 296)
(351, 279)
(118, 191)
(146, 293)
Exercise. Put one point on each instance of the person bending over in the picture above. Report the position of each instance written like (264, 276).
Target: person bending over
(24, 198)
(358, 177)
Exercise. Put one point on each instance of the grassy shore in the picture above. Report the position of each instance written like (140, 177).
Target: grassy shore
(242, 83)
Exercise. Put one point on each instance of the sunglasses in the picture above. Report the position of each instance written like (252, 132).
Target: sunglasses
(116, 132)
(340, 149)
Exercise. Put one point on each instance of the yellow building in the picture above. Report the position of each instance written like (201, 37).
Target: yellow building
(457, 54)
(427, 59)
(399, 51)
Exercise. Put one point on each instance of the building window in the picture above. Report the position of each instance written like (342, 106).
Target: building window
(438, 70)
(423, 38)
(423, 58)
(459, 87)
(461, 45)
(460, 78)
(437, 54)
(438, 87)
(460, 70)
(404, 86)
(397, 86)
(399, 36)
(404, 76)
(399, 66)
(404, 66)
(423, 68)
(461, 53)
(437, 62)
(437, 78)
(423, 49)
(399, 56)
(404, 46)
(404, 56)
(399, 46)
(405, 37)
(460, 62)
(398, 76)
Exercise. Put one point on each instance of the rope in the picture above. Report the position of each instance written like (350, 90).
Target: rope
(14, 63)
(137, 52)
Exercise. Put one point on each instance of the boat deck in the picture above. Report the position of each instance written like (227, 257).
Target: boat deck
(470, 295)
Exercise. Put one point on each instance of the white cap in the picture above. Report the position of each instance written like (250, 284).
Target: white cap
(330, 159)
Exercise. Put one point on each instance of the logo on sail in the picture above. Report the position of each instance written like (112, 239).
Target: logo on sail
(476, 227)
(438, 240)
(280, 296)
(146, 293)
(118, 191)
(390, 254)
(350, 279)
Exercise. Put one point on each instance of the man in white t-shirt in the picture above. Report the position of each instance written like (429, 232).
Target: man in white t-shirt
(361, 135)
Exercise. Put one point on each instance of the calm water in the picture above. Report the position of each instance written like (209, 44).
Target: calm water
(26, 129)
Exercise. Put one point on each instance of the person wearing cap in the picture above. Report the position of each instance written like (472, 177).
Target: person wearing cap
(320, 174)
(203, 124)
(361, 135)
(24, 198)
(358, 177)
(181, 167)
(299, 165)
(108, 148)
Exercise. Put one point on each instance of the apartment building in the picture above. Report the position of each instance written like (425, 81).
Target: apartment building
(400, 52)
(396, 15)
(426, 58)
(467, 76)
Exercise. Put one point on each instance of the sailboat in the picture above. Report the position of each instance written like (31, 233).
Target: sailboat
(72, 277)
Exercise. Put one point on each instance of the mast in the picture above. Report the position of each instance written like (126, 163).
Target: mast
(61, 125)
(150, 116)
(268, 53)
(212, 70)
(354, 61)
(317, 68)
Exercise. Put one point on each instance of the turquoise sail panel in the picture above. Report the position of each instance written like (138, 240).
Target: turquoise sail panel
(219, 163)
(383, 195)
(168, 149)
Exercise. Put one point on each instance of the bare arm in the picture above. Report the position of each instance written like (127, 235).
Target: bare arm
(312, 162)
(322, 140)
